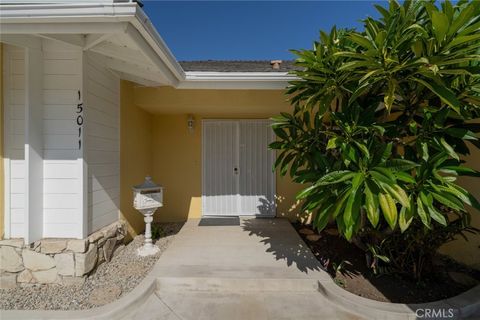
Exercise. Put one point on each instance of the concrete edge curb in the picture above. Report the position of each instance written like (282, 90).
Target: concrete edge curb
(115, 310)
(465, 305)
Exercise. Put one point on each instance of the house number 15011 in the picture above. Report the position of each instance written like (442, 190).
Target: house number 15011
(79, 119)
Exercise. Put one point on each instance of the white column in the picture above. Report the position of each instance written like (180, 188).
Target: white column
(82, 159)
(33, 144)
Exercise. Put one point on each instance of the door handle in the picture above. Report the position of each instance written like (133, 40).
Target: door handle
(235, 170)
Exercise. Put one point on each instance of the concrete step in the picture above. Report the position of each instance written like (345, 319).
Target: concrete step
(273, 271)
(196, 284)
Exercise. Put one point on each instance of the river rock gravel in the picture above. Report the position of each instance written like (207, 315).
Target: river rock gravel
(108, 282)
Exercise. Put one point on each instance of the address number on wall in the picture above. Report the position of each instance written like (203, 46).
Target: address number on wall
(79, 119)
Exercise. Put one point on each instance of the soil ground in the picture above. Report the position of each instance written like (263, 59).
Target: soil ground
(355, 277)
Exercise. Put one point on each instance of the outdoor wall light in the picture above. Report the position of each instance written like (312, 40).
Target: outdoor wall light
(191, 123)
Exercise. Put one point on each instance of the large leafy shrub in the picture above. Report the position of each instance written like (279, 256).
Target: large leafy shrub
(380, 122)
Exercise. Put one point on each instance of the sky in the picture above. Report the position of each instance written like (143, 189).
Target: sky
(250, 30)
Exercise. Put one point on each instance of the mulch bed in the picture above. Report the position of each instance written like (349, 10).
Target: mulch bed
(355, 277)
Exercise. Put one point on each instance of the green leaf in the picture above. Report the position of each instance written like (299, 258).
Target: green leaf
(335, 177)
(382, 10)
(305, 192)
(405, 218)
(385, 172)
(397, 193)
(440, 25)
(371, 206)
(462, 194)
(321, 219)
(448, 148)
(363, 148)
(340, 203)
(389, 97)
(461, 133)
(423, 215)
(401, 164)
(448, 200)
(389, 209)
(462, 19)
(360, 40)
(437, 216)
(461, 171)
(405, 177)
(281, 133)
(461, 40)
(276, 145)
(424, 151)
(332, 143)
(445, 94)
(352, 208)
(380, 38)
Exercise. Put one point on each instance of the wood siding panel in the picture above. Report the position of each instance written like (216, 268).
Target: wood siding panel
(102, 143)
(62, 171)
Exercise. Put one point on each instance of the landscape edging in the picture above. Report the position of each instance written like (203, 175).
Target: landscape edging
(465, 305)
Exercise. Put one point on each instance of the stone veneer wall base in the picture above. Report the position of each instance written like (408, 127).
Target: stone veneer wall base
(62, 261)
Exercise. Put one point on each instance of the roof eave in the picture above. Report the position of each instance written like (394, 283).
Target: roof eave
(84, 18)
(236, 80)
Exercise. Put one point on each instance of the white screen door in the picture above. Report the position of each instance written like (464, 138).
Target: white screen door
(237, 168)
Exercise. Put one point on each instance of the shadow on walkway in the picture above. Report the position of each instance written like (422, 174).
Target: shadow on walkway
(283, 242)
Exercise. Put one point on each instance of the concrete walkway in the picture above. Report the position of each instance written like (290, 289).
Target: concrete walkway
(260, 269)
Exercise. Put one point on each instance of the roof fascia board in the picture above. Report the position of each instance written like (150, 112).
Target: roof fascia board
(233, 85)
(67, 12)
(64, 28)
(147, 30)
(152, 54)
(236, 80)
(245, 76)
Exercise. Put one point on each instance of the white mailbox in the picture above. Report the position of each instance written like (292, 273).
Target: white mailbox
(147, 198)
(147, 195)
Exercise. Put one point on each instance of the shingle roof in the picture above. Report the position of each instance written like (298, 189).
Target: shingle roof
(236, 66)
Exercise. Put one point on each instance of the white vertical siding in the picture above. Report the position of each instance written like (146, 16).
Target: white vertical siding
(62, 169)
(78, 179)
(14, 104)
(102, 101)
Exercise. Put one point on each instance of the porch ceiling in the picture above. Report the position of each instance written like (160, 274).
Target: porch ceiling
(119, 52)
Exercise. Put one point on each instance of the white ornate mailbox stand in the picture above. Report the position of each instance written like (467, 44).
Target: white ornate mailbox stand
(147, 198)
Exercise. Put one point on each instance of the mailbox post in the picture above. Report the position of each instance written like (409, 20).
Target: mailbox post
(147, 198)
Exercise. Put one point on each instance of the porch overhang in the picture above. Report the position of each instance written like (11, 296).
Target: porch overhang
(122, 36)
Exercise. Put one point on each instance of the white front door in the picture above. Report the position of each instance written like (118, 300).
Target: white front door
(237, 177)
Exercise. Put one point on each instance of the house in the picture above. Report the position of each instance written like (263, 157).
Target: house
(93, 101)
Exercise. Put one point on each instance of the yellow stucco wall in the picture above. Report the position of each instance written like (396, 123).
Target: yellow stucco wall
(135, 155)
(2, 183)
(468, 252)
